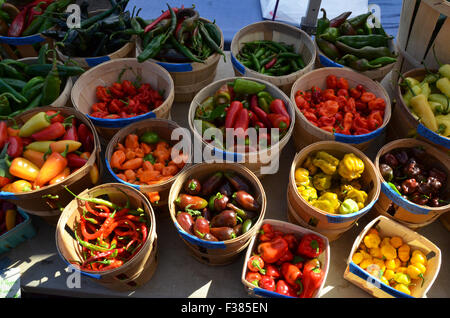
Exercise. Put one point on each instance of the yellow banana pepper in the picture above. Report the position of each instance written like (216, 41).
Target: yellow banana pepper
(326, 162)
(422, 108)
(443, 122)
(443, 84)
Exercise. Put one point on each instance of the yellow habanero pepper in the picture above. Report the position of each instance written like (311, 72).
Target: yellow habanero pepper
(386, 240)
(390, 264)
(402, 278)
(308, 164)
(327, 202)
(321, 181)
(308, 193)
(415, 272)
(403, 288)
(326, 162)
(379, 263)
(358, 196)
(350, 167)
(372, 240)
(388, 251)
(375, 252)
(396, 241)
(357, 258)
(389, 274)
(384, 280)
(418, 257)
(302, 177)
(365, 263)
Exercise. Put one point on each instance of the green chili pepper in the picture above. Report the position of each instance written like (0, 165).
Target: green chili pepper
(5, 108)
(11, 72)
(323, 23)
(211, 43)
(213, 32)
(244, 86)
(15, 83)
(184, 49)
(383, 60)
(52, 85)
(393, 187)
(330, 34)
(4, 87)
(360, 41)
(328, 48)
(359, 19)
(366, 52)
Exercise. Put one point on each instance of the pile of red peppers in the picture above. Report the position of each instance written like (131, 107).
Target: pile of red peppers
(341, 109)
(45, 150)
(286, 263)
(125, 99)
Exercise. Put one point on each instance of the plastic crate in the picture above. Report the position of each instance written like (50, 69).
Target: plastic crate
(19, 234)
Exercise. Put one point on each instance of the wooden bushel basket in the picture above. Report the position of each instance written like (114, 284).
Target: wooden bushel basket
(405, 124)
(189, 78)
(286, 228)
(37, 202)
(254, 160)
(306, 133)
(222, 252)
(386, 227)
(396, 207)
(64, 98)
(132, 274)
(84, 91)
(424, 24)
(24, 46)
(376, 74)
(278, 32)
(164, 129)
(318, 219)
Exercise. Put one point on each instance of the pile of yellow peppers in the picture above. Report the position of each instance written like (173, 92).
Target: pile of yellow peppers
(392, 261)
(429, 99)
(330, 184)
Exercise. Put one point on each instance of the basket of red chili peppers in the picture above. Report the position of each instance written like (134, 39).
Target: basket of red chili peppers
(21, 27)
(234, 117)
(117, 93)
(41, 151)
(339, 104)
(216, 208)
(272, 51)
(108, 233)
(286, 260)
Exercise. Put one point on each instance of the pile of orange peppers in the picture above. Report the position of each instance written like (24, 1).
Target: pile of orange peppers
(45, 150)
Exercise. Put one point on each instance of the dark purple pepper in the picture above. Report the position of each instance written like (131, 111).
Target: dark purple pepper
(210, 237)
(434, 202)
(419, 199)
(225, 218)
(206, 213)
(212, 183)
(412, 170)
(386, 172)
(186, 221)
(226, 189)
(434, 184)
(419, 153)
(246, 200)
(402, 157)
(438, 174)
(193, 187)
(223, 233)
(220, 202)
(237, 182)
(390, 160)
(409, 186)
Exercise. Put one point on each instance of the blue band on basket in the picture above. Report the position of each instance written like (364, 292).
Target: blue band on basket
(342, 218)
(23, 40)
(176, 67)
(432, 136)
(199, 242)
(358, 271)
(268, 293)
(227, 156)
(119, 123)
(398, 200)
(358, 139)
(8, 195)
(96, 276)
(94, 61)
(237, 65)
(136, 186)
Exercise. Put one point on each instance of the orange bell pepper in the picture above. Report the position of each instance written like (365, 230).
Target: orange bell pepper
(23, 169)
(53, 166)
(60, 146)
(36, 157)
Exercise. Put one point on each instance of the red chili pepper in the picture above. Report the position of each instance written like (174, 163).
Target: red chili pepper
(57, 118)
(75, 161)
(116, 90)
(99, 114)
(267, 283)
(326, 121)
(3, 133)
(18, 24)
(331, 81)
(102, 94)
(270, 63)
(51, 132)
(165, 15)
(128, 88)
(279, 121)
(261, 114)
(71, 132)
(100, 107)
(256, 264)
(15, 146)
(4, 181)
(241, 123)
(311, 245)
(360, 122)
(233, 110)
(375, 120)
(112, 116)
(86, 137)
(277, 106)
(273, 250)
(36, 11)
(312, 278)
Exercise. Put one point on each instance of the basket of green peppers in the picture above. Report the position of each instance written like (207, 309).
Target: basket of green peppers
(359, 43)
(101, 35)
(424, 99)
(35, 81)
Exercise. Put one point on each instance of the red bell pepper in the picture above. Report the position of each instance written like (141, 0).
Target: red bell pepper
(312, 278)
(256, 264)
(311, 245)
(277, 106)
(3, 133)
(52, 132)
(284, 289)
(15, 146)
(253, 278)
(267, 283)
(272, 271)
(287, 257)
(291, 274)
(273, 250)
(298, 261)
(266, 233)
(232, 113)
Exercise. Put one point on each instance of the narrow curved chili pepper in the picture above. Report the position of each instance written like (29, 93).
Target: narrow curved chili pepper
(51, 132)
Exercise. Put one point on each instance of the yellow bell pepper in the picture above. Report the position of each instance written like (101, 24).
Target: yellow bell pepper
(321, 181)
(372, 240)
(308, 164)
(403, 252)
(357, 258)
(403, 288)
(396, 241)
(443, 84)
(302, 177)
(326, 162)
(350, 167)
(308, 193)
(388, 251)
(420, 106)
(358, 196)
(327, 202)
